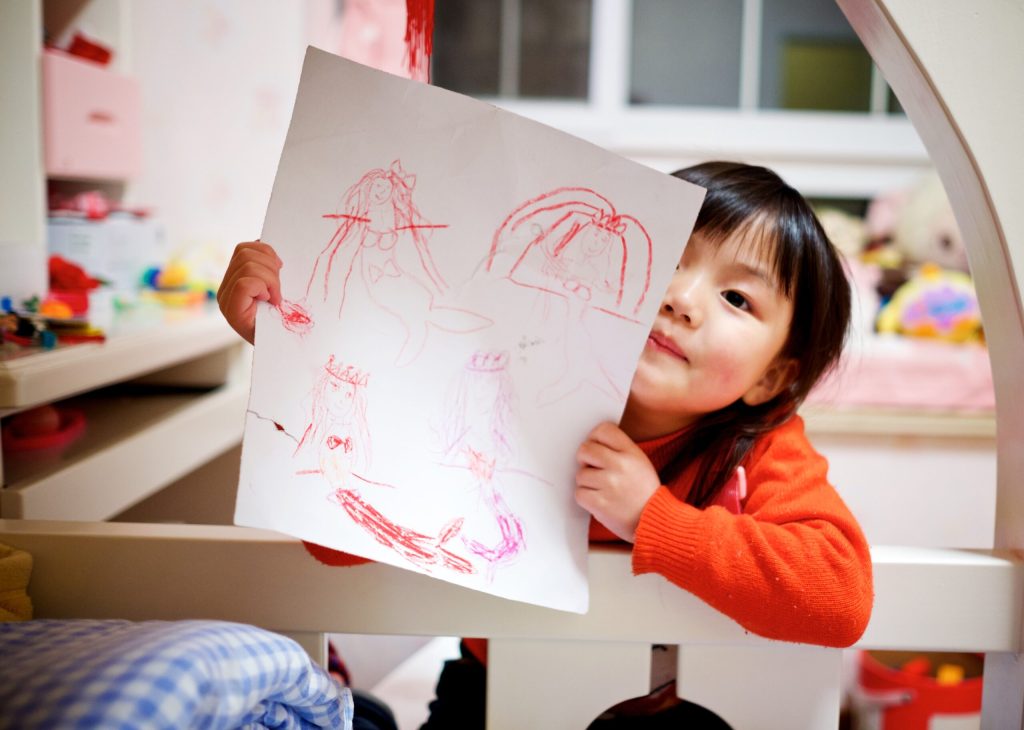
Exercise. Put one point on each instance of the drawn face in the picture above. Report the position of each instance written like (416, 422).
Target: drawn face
(717, 338)
(339, 399)
(380, 190)
(597, 242)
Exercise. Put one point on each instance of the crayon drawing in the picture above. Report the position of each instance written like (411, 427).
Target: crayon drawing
(477, 440)
(572, 244)
(337, 442)
(465, 296)
(381, 237)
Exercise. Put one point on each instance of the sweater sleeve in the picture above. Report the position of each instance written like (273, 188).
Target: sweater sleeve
(336, 558)
(793, 566)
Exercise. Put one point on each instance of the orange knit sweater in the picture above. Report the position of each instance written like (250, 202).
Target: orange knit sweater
(794, 565)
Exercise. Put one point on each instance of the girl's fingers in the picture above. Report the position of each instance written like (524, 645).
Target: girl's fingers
(610, 435)
(248, 289)
(257, 246)
(589, 477)
(252, 270)
(239, 306)
(593, 454)
(254, 257)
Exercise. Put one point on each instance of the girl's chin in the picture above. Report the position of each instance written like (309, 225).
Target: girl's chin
(658, 367)
(648, 386)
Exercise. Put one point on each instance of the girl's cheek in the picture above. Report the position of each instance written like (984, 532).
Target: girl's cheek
(725, 371)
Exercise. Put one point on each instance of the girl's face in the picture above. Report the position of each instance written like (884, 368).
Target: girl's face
(717, 339)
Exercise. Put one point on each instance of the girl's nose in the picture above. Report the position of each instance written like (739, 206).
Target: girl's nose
(683, 300)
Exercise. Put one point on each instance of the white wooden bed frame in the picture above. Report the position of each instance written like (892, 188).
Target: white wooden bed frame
(958, 69)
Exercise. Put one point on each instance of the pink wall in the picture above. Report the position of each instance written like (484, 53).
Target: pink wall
(218, 80)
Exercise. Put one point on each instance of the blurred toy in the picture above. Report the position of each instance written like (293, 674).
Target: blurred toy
(926, 230)
(23, 330)
(909, 229)
(92, 205)
(44, 427)
(882, 215)
(89, 48)
(61, 316)
(935, 303)
(173, 286)
(914, 226)
(69, 292)
(899, 690)
(55, 309)
(173, 276)
(847, 232)
(68, 276)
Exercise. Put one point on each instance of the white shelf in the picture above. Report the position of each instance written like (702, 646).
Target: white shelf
(141, 342)
(897, 422)
(133, 446)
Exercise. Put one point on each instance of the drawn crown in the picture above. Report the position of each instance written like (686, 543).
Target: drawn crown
(609, 222)
(348, 375)
(488, 361)
(400, 176)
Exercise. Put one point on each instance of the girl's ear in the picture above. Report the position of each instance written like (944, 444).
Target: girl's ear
(779, 374)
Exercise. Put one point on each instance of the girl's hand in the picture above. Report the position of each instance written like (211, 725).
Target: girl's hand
(253, 275)
(614, 480)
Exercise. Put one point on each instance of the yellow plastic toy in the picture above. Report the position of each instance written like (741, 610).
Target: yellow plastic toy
(935, 303)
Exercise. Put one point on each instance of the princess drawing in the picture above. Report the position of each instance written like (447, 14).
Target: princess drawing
(381, 237)
(338, 437)
(572, 245)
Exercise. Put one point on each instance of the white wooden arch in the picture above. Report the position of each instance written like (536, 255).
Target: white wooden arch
(958, 70)
(957, 67)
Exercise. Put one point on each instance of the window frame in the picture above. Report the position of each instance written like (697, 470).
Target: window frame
(824, 154)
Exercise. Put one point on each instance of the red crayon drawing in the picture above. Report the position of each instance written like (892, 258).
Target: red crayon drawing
(294, 317)
(338, 436)
(419, 549)
(572, 243)
(382, 237)
(338, 432)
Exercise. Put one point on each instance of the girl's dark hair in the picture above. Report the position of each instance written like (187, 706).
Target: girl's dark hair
(754, 201)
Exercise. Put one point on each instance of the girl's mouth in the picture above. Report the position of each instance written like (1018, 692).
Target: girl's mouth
(664, 344)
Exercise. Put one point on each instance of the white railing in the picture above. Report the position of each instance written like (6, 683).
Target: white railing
(951, 600)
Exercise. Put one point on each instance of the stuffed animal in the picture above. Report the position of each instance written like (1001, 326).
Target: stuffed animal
(847, 232)
(926, 229)
(924, 282)
(914, 226)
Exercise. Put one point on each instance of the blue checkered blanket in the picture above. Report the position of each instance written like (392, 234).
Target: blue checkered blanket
(122, 675)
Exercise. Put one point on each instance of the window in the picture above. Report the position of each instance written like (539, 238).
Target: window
(811, 58)
(768, 54)
(785, 83)
(686, 52)
(513, 48)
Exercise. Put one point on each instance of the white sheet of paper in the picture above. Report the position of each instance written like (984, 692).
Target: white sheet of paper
(466, 295)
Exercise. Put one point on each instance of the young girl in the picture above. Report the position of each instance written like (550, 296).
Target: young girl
(709, 473)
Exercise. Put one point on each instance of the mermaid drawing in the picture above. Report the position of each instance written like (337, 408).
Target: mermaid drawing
(476, 438)
(381, 237)
(338, 437)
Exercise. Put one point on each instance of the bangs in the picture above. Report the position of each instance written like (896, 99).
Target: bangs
(761, 234)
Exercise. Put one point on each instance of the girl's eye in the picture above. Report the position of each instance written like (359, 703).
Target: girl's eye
(736, 299)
